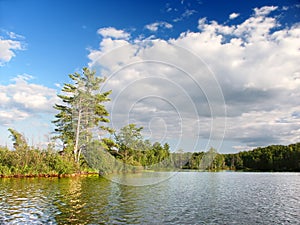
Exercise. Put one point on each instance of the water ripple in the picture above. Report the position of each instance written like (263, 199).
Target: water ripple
(187, 198)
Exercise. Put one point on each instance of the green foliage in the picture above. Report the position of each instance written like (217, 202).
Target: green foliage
(19, 141)
(34, 162)
(98, 158)
(130, 142)
(105, 157)
(271, 158)
(82, 111)
(134, 150)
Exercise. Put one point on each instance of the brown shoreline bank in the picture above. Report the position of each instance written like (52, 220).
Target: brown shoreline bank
(49, 175)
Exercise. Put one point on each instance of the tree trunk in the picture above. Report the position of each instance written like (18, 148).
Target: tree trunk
(76, 156)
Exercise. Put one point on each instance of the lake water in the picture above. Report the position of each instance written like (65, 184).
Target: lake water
(154, 198)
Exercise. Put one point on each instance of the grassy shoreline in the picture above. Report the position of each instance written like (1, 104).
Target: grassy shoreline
(86, 174)
(49, 175)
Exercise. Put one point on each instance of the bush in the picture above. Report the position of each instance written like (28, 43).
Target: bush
(35, 162)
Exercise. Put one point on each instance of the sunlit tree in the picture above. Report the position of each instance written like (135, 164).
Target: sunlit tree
(19, 141)
(82, 112)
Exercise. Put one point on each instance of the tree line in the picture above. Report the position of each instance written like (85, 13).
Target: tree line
(271, 158)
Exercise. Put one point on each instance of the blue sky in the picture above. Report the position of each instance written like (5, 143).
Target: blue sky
(247, 96)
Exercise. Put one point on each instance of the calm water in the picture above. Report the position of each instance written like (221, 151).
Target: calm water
(181, 198)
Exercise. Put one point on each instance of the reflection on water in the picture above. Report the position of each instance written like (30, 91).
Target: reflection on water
(23, 200)
(184, 198)
(51, 201)
(141, 179)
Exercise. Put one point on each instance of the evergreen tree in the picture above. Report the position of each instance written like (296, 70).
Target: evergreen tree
(82, 112)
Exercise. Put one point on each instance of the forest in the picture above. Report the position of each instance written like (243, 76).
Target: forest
(277, 158)
(89, 145)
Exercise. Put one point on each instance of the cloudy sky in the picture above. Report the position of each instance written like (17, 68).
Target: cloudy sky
(192, 73)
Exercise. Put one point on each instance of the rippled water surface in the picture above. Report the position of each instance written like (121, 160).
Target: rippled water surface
(173, 198)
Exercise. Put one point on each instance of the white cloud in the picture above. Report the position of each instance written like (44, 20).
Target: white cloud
(7, 117)
(260, 128)
(154, 26)
(57, 85)
(23, 77)
(233, 15)
(186, 14)
(3, 98)
(7, 50)
(264, 11)
(240, 148)
(22, 99)
(161, 80)
(9, 45)
(13, 35)
(26, 106)
(111, 32)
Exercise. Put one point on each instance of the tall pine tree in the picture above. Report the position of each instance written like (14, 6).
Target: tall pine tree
(82, 113)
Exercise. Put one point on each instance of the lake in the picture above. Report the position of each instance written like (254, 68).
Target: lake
(153, 198)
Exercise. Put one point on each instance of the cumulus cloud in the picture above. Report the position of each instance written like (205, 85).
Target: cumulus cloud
(8, 117)
(22, 99)
(233, 15)
(154, 26)
(10, 43)
(263, 11)
(7, 50)
(261, 128)
(184, 84)
(111, 32)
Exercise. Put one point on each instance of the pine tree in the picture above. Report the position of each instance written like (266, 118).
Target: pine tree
(82, 113)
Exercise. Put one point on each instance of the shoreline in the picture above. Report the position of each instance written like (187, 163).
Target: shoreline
(101, 175)
(49, 175)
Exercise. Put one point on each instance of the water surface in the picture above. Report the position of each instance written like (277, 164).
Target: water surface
(172, 198)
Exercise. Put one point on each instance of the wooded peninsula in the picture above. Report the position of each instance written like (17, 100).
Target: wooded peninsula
(90, 146)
